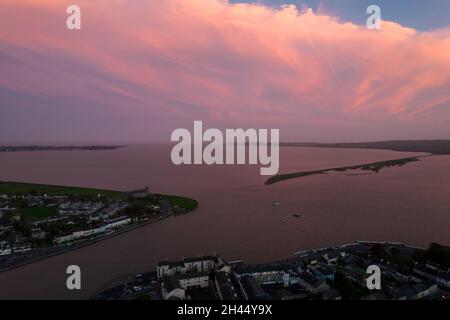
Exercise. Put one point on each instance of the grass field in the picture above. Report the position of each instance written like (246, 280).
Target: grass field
(181, 202)
(177, 202)
(38, 213)
(51, 190)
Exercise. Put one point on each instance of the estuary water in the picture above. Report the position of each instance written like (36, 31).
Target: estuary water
(235, 217)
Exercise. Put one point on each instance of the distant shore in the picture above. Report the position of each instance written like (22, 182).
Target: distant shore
(57, 148)
(432, 147)
(436, 146)
(373, 166)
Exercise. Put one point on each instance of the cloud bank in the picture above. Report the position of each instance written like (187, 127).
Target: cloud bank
(139, 69)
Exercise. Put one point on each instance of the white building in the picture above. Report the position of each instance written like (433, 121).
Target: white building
(194, 280)
(197, 264)
(425, 289)
(266, 274)
(5, 248)
(171, 289)
(38, 233)
(175, 286)
(21, 248)
(332, 257)
(119, 222)
(112, 224)
(443, 279)
(144, 193)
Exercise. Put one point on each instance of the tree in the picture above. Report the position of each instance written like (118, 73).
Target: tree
(378, 250)
(24, 226)
(347, 287)
(438, 254)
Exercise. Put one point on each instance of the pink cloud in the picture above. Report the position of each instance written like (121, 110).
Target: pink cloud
(233, 64)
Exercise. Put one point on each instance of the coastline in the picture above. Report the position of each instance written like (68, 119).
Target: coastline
(41, 253)
(85, 243)
(58, 148)
(126, 282)
(372, 166)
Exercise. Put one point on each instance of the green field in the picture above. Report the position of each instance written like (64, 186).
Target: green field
(177, 202)
(181, 202)
(38, 213)
(51, 190)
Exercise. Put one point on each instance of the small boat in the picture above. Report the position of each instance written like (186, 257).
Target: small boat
(283, 221)
(275, 203)
(297, 215)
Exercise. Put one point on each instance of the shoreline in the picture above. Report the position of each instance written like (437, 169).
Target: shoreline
(123, 279)
(372, 166)
(42, 253)
(59, 148)
(84, 243)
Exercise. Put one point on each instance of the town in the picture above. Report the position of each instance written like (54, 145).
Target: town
(334, 273)
(37, 221)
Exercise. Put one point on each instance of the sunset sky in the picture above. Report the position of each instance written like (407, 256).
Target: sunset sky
(137, 70)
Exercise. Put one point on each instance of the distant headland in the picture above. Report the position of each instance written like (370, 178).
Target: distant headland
(57, 148)
(433, 147)
(429, 146)
(374, 167)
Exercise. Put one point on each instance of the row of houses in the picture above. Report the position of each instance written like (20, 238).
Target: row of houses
(79, 207)
(112, 224)
(198, 273)
(434, 272)
(188, 265)
(107, 212)
(7, 249)
(417, 291)
(175, 286)
(266, 274)
(223, 281)
(233, 282)
(179, 276)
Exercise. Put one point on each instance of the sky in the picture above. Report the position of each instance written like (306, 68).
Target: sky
(423, 15)
(137, 70)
